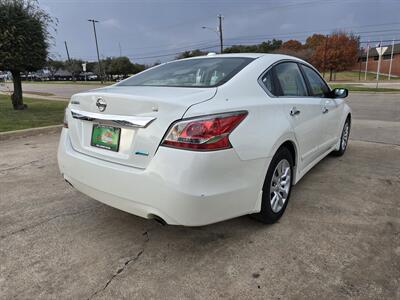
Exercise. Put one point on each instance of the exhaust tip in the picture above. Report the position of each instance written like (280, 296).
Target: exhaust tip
(157, 219)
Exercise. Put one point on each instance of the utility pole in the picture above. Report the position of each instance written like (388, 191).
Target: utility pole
(69, 60)
(221, 41)
(120, 49)
(66, 48)
(218, 31)
(97, 47)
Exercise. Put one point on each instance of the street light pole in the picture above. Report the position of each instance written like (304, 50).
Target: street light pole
(218, 31)
(221, 42)
(97, 47)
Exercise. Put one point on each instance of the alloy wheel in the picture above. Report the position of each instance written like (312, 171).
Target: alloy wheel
(280, 185)
(345, 136)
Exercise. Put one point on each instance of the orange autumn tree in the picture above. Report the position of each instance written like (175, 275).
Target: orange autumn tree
(292, 45)
(315, 40)
(339, 53)
(294, 48)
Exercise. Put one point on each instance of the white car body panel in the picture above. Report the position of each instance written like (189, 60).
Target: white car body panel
(188, 187)
(173, 187)
(148, 101)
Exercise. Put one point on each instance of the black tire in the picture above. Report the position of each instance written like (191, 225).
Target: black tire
(267, 213)
(344, 140)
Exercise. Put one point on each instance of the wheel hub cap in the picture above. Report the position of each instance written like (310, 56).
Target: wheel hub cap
(280, 185)
(345, 136)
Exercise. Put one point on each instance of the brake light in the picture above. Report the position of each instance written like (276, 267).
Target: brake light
(204, 133)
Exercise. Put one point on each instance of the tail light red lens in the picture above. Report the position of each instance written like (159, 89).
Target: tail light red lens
(204, 133)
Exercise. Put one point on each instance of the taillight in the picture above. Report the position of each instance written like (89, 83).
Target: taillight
(203, 133)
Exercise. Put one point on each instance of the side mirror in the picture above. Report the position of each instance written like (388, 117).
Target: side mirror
(339, 93)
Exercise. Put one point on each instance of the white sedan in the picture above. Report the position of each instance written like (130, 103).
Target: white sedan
(201, 140)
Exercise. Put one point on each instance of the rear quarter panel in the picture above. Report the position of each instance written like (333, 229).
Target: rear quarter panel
(265, 128)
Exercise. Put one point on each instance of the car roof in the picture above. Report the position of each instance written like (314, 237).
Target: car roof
(269, 56)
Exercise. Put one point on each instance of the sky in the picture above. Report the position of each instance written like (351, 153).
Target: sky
(155, 30)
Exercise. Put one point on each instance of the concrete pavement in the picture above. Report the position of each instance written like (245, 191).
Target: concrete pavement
(376, 117)
(339, 237)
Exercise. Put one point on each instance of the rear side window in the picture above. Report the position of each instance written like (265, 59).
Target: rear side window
(289, 79)
(201, 72)
(268, 82)
(318, 87)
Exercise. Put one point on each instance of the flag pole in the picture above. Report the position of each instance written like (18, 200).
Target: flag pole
(366, 63)
(391, 60)
(379, 64)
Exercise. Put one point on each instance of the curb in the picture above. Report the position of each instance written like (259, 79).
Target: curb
(375, 93)
(10, 135)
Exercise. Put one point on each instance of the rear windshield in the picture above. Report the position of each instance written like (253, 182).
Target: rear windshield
(204, 72)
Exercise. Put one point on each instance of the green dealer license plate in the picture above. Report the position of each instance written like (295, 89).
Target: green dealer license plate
(105, 137)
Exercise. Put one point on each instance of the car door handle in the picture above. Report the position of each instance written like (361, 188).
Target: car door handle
(325, 110)
(294, 111)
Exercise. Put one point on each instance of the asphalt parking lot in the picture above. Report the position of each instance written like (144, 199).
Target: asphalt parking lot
(339, 237)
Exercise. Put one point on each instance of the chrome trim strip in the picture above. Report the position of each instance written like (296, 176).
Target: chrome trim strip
(130, 121)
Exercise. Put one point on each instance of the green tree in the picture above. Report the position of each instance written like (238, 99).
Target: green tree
(24, 40)
(105, 68)
(193, 53)
(315, 40)
(121, 66)
(74, 66)
(138, 68)
(264, 47)
(54, 66)
(91, 66)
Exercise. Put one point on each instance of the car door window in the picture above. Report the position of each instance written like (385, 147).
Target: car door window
(289, 80)
(317, 85)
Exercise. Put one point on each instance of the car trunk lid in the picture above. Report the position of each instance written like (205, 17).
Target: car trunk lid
(143, 113)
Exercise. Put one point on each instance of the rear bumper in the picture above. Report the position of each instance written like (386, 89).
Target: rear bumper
(181, 187)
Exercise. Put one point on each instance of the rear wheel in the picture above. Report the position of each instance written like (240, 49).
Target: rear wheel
(344, 139)
(277, 187)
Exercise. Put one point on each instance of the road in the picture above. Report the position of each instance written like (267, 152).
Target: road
(339, 237)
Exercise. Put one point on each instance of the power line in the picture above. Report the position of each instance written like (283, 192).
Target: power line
(291, 34)
(259, 37)
(183, 48)
(207, 44)
(302, 34)
(170, 54)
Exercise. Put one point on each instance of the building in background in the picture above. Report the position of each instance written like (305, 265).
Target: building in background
(373, 59)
